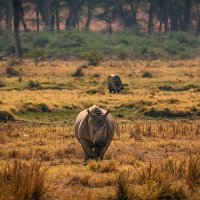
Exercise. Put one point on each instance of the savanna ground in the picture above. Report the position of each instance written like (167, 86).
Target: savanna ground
(155, 152)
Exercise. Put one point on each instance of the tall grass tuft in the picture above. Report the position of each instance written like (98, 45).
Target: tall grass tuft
(23, 181)
(193, 175)
(122, 188)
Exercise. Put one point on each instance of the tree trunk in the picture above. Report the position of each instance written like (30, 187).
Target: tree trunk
(52, 23)
(87, 24)
(71, 20)
(44, 7)
(187, 14)
(174, 17)
(150, 20)
(163, 14)
(166, 15)
(57, 15)
(24, 25)
(134, 14)
(18, 14)
(198, 17)
(37, 18)
(9, 15)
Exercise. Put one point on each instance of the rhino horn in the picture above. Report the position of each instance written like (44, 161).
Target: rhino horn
(90, 113)
(107, 112)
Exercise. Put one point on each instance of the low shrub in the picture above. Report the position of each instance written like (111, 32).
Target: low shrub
(147, 75)
(41, 107)
(11, 72)
(93, 58)
(36, 55)
(170, 193)
(33, 85)
(6, 116)
(78, 73)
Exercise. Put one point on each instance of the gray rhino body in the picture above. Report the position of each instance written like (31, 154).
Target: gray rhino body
(94, 129)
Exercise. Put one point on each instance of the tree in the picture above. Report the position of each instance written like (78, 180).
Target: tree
(187, 14)
(74, 9)
(18, 14)
(197, 2)
(45, 9)
(151, 12)
(128, 12)
(89, 9)
(164, 6)
(108, 13)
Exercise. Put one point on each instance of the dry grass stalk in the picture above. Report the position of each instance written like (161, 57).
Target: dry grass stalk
(23, 181)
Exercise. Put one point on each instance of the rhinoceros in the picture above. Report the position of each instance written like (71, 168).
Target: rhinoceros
(115, 84)
(94, 129)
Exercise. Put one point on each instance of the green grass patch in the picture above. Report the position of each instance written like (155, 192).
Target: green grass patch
(63, 115)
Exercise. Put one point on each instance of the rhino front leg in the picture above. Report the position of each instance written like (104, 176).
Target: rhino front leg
(87, 149)
(100, 151)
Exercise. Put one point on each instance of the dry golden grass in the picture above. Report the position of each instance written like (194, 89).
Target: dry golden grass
(60, 90)
(23, 180)
(148, 159)
(155, 163)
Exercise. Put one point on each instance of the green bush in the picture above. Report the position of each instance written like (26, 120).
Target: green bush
(10, 71)
(36, 54)
(123, 44)
(40, 42)
(33, 85)
(93, 58)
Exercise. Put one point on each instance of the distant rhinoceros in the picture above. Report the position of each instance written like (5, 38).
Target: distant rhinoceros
(94, 129)
(115, 84)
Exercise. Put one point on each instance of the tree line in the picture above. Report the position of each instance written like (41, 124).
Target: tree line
(165, 15)
(159, 16)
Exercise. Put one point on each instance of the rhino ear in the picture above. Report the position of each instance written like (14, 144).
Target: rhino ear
(90, 113)
(107, 112)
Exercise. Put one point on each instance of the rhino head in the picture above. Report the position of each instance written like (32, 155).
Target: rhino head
(97, 126)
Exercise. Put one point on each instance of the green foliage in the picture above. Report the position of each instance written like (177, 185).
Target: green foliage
(40, 42)
(93, 58)
(35, 54)
(33, 85)
(126, 44)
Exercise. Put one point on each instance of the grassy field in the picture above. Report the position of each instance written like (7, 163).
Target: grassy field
(154, 154)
